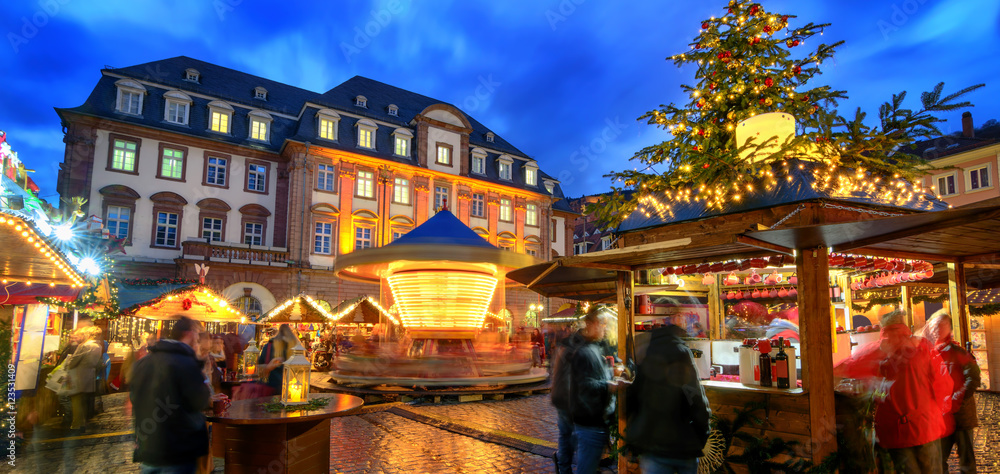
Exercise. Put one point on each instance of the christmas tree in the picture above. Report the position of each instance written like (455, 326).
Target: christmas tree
(752, 62)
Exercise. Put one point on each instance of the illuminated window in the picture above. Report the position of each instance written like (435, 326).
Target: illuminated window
(171, 163)
(253, 233)
(118, 220)
(505, 166)
(530, 175)
(220, 122)
(478, 163)
(505, 210)
(166, 229)
(362, 238)
(478, 205)
(401, 191)
(324, 238)
(258, 128)
(329, 121)
(443, 154)
(325, 177)
(211, 229)
(364, 138)
(123, 155)
(531, 215)
(364, 185)
(402, 146)
(532, 246)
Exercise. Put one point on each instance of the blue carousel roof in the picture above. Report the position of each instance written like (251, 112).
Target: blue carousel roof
(442, 229)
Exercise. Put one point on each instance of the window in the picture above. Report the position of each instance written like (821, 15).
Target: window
(979, 178)
(478, 162)
(393, 110)
(552, 230)
(362, 238)
(220, 116)
(329, 121)
(117, 221)
(506, 241)
(482, 233)
(253, 233)
(396, 235)
(443, 154)
(124, 154)
(531, 175)
(172, 161)
(249, 306)
(946, 185)
(325, 177)
(324, 238)
(531, 215)
(489, 137)
(216, 171)
(256, 177)
(478, 205)
(364, 186)
(211, 229)
(220, 122)
(192, 75)
(260, 93)
(401, 142)
(258, 129)
(505, 166)
(532, 246)
(505, 214)
(130, 96)
(178, 104)
(440, 197)
(166, 229)
(361, 101)
(606, 242)
(550, 186)
(366, 133)
(401, 191)
(580, 248)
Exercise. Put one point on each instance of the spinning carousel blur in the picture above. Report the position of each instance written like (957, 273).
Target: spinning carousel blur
(444, 279)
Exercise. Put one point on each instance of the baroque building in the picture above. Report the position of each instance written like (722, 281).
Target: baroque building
(192, 162)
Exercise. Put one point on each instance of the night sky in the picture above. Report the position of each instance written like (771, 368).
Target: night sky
(553, 77)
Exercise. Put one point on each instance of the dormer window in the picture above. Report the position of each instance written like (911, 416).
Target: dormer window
(505, 167)
(260, 125)
(478, 161)
(260, 93)
(130, 94)
(220, 116)
(329, 122)
(361, 101)
(192, 75)
(531, 174)
(401, 141)
(550, 186)
(366, 133)
(177, 107)
(393, 110)
(489, 137)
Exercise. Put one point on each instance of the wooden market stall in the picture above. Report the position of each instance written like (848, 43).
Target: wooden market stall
(799, 233)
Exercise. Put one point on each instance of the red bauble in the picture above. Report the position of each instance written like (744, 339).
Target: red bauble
(767, 29)
(805, 98)
(762, 101)
(784, 18)
(795, 42)
(768, 82)
(701, 132)
(704, 26)
(796, 69)
(754, 9)
(695, 148)
(706, 165)
(711, 86)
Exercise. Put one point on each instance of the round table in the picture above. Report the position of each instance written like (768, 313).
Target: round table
(255, 440)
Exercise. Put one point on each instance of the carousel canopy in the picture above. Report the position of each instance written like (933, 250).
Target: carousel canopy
(300, 309)
(197, 302)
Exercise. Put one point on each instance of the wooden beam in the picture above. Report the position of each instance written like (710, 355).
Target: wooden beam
(544, 274)
(992, 257)
(907, 305)
(604, 266)
(698, 261)
(899, 234)
(597, 257)
(817, 344)
(903, 254)
(957, 301)
(752, 242)
(985, 266)
(626, 347)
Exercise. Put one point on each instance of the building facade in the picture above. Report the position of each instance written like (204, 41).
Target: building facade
(191, 162)
(967, 163)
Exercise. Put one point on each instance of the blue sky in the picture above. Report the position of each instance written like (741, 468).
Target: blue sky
(563, 75)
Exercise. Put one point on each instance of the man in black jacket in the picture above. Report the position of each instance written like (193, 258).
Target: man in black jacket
(561, 367)
(169, 394)
(592, 400)
(667, 409)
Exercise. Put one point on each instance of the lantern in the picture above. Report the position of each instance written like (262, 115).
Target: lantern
(295, 380)
(250, 356)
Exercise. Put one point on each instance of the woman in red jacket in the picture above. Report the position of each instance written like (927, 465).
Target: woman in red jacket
(909, 420)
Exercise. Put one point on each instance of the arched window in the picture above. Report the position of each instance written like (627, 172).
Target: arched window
(249, 305)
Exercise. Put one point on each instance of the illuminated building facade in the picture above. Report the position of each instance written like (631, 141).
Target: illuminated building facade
(193, 162)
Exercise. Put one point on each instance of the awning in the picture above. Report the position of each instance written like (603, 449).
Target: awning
(28, 257)
(21, 293)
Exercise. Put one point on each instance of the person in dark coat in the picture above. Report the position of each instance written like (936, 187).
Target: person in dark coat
(668, 413)
(169, 395)
(592, 393)
(82, 370)
(561, 367)
(966, 377)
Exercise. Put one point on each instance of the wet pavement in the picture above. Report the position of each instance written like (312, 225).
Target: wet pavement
(516, 435)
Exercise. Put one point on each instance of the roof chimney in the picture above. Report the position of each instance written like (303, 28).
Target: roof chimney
(967, 131)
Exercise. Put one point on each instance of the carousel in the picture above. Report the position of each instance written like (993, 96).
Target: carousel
(444, 279)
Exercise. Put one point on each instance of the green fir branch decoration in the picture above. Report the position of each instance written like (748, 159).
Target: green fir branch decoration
(985, 310)
(275, 406)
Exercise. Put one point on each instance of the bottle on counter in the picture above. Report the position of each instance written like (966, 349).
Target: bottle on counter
(781, 365)
(764, 346)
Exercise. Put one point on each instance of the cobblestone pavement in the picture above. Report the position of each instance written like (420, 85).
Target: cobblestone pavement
(463, 438)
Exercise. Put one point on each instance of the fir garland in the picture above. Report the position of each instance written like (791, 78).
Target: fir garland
(984, 310)
(930, 299)
(276, 406)
(872, 303)
(151, 282)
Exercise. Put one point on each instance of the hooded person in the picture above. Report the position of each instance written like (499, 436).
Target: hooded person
(668, 413)
(275, 353)
(909, 420)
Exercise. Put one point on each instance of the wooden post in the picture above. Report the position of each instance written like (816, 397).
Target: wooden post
(957, 303)
(715, 316)
(848, 303)
(817, 348)
(626, 348)
(906, 305)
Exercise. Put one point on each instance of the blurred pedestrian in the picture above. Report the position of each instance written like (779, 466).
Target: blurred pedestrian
(561, 385)
(965, 376)
(592, 393)
(667, 408)
(909, 419)
(169, 394)
(82, 370)
(275, 353)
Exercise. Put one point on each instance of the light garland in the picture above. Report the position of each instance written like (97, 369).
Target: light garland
(30, 235)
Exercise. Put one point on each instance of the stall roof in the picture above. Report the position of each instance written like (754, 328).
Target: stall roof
(27, 256)
(300, 309)
(197, 302)
(130, 296)
(362, 309)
